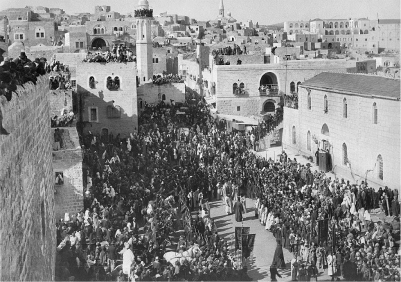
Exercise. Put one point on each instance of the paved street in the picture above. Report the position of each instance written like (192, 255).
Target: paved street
(265, 243)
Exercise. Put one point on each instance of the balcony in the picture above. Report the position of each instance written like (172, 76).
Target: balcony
(268, 90)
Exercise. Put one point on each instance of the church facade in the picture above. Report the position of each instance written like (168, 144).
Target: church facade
(356, 118)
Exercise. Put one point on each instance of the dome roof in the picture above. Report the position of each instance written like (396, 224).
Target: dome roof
(228, 14)
(143, 4)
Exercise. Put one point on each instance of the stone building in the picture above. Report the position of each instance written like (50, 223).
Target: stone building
(238, 87)
(28, 237)
(109, 97)
(356, 117)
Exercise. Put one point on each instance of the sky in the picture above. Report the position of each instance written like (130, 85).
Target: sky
(262, 11)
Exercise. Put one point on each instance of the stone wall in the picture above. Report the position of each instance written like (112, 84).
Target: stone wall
(152, 93)
(100, 98)
(27, 234)
(68, 161)
(364, 139)
(246, 59)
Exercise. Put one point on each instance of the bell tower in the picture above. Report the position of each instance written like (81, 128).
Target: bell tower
(221, 9)
(144, 44)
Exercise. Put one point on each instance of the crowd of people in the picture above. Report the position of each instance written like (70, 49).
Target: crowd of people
(167, 78)
(119, 53)
(18, 71)
(291, 202)
(60, 80)
(142, 190)
(266, 89)
(66, 119)
(291, 101)
(228, 51)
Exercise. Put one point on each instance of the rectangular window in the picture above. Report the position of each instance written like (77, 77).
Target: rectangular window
(73, 83)
(37, 34)
(81, 44)
(93, 115)
(42, 34)
(238, 108)
(19, 36)
(76, 44)
(144, 78)
(157, 60)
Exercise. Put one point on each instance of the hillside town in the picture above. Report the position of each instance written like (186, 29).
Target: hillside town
(159, 147)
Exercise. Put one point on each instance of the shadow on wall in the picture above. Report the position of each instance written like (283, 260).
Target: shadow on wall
(67, 198)
(111, 116)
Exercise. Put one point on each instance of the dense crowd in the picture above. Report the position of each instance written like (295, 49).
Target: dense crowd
(66, 119)
(142, 190)
(291, 101)
(18, 71)
(292, 200)
(119, 54)
(228, 51)
(167, 78)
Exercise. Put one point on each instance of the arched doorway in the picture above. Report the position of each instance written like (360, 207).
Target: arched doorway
(269, 106)
(268, 79)
(268, 83)
(98, 43)
(325, 130)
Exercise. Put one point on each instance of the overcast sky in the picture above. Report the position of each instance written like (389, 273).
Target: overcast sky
(262, 11)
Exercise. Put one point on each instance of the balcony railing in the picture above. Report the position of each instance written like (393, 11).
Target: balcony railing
(268, 90)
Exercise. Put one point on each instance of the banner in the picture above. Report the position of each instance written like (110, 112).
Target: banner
(238, 238)
(247, 244)
(239, 232)
(323, 231)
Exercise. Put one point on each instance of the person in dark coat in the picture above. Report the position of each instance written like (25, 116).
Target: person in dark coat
(238, 210)
(278, 259)
(274, 272)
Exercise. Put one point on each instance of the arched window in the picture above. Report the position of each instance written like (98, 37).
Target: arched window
(374, 113)
(308, 142)
(379, 165)
(290, 25)
(164, 97)
(345, 154)
(326, 104)
(291, 32)
(242, 87)
(326, 32)
(348, 32)
(115, 28)
(361, 31)
(345, 108)
(342, 32)
(92, 83)
(294, 136)
(331, 25)
(235, 87)
(120, 29)
(116, 83)
(341, 25)
(309, 101)
(331, 32)
(113, 84)
(301, 25)
(102, 31)
(296, 25)
(95, 31)
(298, 83)
(336, 25)
(337, 32)
(292, 87)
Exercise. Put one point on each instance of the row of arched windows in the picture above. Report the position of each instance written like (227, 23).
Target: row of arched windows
(111, 83)
(345, 107)
(301, 25)
(238, 89)
(294, 88)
